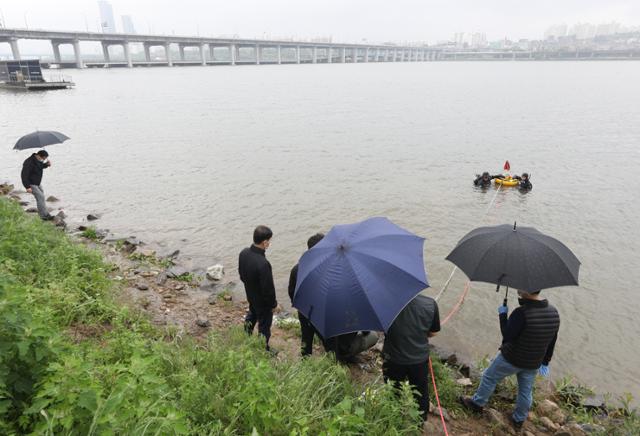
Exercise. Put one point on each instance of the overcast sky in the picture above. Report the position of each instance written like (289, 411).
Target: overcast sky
(344, 20)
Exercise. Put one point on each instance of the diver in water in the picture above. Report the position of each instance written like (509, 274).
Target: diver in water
(525, 183)
(485, 179)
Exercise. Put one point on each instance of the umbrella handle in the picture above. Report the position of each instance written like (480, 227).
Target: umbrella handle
(504, 302)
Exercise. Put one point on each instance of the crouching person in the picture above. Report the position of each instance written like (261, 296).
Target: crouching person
(528, 339)
(406, 348)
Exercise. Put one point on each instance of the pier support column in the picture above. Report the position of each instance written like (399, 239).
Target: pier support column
(56, 52)
(105, 52)
(212, 54)
(233, 53)
(297, 54)
(279, 48)
(314, 55)
(167, 51)
(147, 52)
(181, 50)
(127, 54)
(77, 54)
(355, 54)
(366, 54)
(343, 55)
(203, 58)
(257, 54)
(15, 50)
(329, 55)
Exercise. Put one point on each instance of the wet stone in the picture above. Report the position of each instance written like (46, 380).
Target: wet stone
(142, 286)
(203, 322)
(92, 217)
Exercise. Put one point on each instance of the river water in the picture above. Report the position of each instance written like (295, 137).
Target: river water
(194, 158)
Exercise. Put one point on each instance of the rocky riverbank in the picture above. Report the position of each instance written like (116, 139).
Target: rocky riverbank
(194, 303)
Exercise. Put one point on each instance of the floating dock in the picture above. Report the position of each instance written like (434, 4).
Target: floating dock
(27, 75)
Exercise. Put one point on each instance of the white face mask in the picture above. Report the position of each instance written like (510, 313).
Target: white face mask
(44, 161)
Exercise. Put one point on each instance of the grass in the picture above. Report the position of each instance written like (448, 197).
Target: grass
(91, 234)
(125, 377)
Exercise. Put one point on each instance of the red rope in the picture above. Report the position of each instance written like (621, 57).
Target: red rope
(435, 390)
(458, 304)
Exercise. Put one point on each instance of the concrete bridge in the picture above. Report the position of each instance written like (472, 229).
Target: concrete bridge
(235, 51)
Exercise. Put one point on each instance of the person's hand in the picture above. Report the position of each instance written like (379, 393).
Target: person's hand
(29, 190)
(544, 370)
(503, 309)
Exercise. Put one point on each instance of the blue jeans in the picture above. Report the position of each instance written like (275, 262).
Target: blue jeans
(500, 369)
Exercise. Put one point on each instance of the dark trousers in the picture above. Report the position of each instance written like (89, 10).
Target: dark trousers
(307, 331)
(418, 377)
(263, 317)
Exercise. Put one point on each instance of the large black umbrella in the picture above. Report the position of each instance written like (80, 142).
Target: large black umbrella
(40, 139)
(517, 257)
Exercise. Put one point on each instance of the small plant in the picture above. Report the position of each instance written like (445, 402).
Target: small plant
(91, 234)
(570, 392)
(186, 277)
(289, 324)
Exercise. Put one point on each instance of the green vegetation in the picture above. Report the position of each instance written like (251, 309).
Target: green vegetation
(90, 233)
(151, 260)
(73, 361)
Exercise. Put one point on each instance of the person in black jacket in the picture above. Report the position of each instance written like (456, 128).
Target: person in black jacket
(525, 183)
(255, 272)
(307, 330)
(32, 178)
(485, 179)
(528, 340)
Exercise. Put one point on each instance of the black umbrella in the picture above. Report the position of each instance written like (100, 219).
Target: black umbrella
(40, 139)
(517, 257)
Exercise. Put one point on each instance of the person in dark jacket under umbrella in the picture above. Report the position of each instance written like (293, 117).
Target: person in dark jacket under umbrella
(406, 347)
(255, 272)
(307, 330)
(32, 178)
(528, 339)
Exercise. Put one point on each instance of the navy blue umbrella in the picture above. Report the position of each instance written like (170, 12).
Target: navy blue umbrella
(40, 139)
(359, 277)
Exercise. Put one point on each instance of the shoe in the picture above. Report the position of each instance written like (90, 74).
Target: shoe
(516, 424)
(48, 218)
(272, 351)
(469, 404)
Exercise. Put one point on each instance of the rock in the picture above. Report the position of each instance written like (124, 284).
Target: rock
(464, 382)
(593, 402)
(528, 433)
(452, 360)
(24, 203)
(227, 297)
(52, 199)
(203, 322)
(147, 252)
(429, 428)
(5, 188)
(176, 271)
(15, 197)
(547, 407)
(559, 417)
(61, 214)
(570, 430)
(31, 210)
(379, 346)
(212, 299)
(592, 428)
(58, 221)
(142, 286)
(161, 279)
(92, 217)
(215, 272)
(496, 418)
(82, 228)
(179, 287)
(172, 255)
(548, 424)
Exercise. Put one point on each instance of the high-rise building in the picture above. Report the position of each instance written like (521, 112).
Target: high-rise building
(583, 31)
(459, 39)
(556, 31)
(478, 40)
(608, 29)
(107, 22)
(127, 24)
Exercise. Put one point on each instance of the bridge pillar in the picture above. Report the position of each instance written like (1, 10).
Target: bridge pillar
(297, 54)
(366, 54)
(343, 55)
(329, 55)
(233, 53)
(355, 55)
(257, 54)
(147, 52)
(181, 50)
(15, 50)
(78, 55)
(203, 58)
(167, 51)
(56, 52)
(212, 54)
(105, 52)
(279, 48)
(314, 55)
(127, 54)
